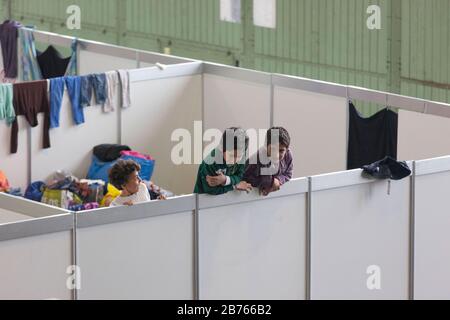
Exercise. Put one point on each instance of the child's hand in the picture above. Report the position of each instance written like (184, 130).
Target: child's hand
(214, 181)
(244, 186)
(161, 197)
(128, 203)
(276, 184)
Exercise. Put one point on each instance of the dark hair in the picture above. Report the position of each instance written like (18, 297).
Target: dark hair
(238, 137)
(120, 172)
(283, 136)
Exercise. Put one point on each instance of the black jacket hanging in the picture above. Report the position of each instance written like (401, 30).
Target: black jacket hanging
(51, 63)
(387, 168)
(371, 139)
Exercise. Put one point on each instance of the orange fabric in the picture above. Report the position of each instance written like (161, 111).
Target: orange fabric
(4, 183)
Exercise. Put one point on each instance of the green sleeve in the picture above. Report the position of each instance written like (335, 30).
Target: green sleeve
(237, 177)
(202, 185)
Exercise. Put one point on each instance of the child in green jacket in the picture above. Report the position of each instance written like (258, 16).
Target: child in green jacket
(223, 169)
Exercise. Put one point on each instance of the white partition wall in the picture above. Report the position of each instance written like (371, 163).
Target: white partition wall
(24, 208)
(359, 237)
(140, 252)
(71, 145)
(422, 136)
(234, 97)
(15, 166)
(432, 225)
(35, 250)
(253, 247)
(165, 101)
(93, 62)
(317, 124)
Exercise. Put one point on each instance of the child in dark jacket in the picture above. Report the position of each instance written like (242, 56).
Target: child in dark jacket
(272, 165)
(223, 169)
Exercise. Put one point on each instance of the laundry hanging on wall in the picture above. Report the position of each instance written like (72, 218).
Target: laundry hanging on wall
(371, 139)
(3, 77)
(52, 64)
(6, 103)
(28, 56)
(8, 41)
(29, 99)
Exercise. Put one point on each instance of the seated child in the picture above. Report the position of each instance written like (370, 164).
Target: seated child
(124, 175)
(276, 169)
(222, 170)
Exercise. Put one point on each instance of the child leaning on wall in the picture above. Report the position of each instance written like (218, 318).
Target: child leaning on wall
(272, 165)
(124, 176)
(223, 169)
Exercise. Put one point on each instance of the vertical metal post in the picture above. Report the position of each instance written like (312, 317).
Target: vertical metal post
(75, 254)
(272, 101)
(196, 250)
(412, 209)
(308, 240)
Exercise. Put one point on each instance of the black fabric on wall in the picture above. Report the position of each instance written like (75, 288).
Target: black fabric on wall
(371, 139)
(51, 63)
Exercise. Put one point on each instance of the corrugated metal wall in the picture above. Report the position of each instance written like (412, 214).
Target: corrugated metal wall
(321, 39)
(426, 49)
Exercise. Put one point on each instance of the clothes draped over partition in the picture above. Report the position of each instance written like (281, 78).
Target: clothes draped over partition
(73, 84)
(8, 40)
(52, 64)
(371, 139)
(30, 98)
(30, 66)
(6, 103)
(56, 96)
(46, 75)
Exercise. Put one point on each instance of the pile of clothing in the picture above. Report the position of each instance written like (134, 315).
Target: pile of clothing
(66, 191)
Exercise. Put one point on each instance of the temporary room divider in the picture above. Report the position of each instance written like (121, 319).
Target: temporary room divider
(36, 250)
(329, 233)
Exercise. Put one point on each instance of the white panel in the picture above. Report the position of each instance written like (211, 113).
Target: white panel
(254, 250)
(160, 107)
(265, 13)
(432, 237)
(91, 62)
(356, 227)
(230, 10)
(15, 166)
(71, 145)
(146, 65)
(317, 125)
(422, 136)
(35, 267)
(141, 259)
(231, 103)
(7, 216)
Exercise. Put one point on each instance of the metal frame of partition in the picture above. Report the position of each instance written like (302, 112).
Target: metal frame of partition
(347, 178)
(109, 49)
(173, 206)
(296, 187)
(75, 221)
(44, 220)
(440, 165)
